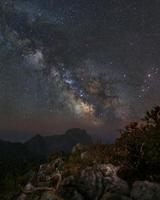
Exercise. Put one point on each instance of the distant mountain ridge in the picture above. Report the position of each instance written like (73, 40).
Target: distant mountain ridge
(21, 157)
(16, 136)
(45, 145)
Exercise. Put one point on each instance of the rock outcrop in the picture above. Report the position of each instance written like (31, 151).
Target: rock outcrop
(54, 181)
(95, 182)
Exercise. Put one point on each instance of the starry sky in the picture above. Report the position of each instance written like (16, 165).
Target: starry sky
(78, 63)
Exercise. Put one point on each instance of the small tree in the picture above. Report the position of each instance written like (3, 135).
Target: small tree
(128, 146)
(139, 145)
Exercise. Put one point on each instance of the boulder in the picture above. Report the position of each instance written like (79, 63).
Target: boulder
(114, 196)
(145, 190)
(22, 197)
(78, 147)
(94, 183)
(49, 196)
(112, 182)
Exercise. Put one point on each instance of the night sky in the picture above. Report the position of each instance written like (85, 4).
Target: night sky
(92, 64)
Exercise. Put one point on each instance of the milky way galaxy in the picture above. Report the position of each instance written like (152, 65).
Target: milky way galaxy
(78, 63)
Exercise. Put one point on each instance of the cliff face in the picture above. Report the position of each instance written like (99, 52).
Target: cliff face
(60, 180)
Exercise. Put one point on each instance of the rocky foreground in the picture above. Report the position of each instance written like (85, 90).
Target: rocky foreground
(56, 181)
